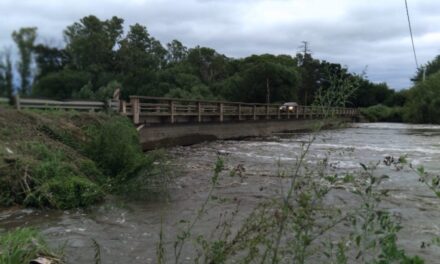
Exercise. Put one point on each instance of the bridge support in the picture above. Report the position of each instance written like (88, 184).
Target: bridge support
(152, 137)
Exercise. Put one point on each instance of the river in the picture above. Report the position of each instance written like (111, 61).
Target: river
(128, 231)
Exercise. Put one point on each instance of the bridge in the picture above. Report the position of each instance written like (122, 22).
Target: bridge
(165, 122)
(170, 121)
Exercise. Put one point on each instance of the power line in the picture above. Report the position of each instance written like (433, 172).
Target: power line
(411, 34)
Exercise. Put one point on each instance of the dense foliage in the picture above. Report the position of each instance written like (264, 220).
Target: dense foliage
(99, 52)
(423, 104)
(383, 113)
(419, 104)
(65, 160)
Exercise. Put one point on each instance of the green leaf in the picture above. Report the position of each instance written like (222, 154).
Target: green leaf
(364, 166)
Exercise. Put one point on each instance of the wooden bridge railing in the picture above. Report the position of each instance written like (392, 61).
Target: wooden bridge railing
(146, 109)
(160, 110)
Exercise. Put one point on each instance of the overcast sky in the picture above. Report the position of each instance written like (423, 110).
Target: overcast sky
(355, 33)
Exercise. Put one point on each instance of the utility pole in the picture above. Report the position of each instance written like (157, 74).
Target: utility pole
(305, 47)
(305, 51)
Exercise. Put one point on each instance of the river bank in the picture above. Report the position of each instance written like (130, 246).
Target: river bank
(64, 160)
(129, 231)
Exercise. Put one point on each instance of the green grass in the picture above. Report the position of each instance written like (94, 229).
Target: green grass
(23, 245)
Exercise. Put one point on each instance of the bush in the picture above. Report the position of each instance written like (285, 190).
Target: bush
(114, 146)
(65, 193)
(382, 113)
(23, 245)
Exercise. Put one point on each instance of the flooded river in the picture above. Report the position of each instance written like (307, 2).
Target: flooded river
(127, 232)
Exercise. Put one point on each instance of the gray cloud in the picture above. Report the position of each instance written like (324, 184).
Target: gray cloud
(353, 33)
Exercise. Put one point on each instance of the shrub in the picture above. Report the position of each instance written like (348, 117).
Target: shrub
(65, 193)
(382, 113)
(23, 245)
(114, 146)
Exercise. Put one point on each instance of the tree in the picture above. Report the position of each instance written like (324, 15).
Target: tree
(427, 70)
(2, 78)
(61, 84)
(310, 76)
(25, 38)
(423, 101)
(139, 50)
(139, 58)
(8, 74)
(176, 52)
(91, 47)
(264, 78)
(209, 65)
(49, 60)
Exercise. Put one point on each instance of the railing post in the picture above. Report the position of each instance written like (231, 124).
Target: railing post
(254, 112)
(239, 112)
(199, 112)
(135, 109)
(267, 111)
(123, 107)
(297, 111)
(304, 112)
(278, 112)
(172, 112)
(221, 111)
(17, 101)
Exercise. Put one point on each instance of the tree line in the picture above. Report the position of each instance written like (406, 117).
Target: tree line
(419, 104)
(98, 57)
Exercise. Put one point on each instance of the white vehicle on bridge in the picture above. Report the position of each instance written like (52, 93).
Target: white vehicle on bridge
(289, 107)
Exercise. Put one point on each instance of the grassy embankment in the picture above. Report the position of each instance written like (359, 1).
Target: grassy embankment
(58, 159)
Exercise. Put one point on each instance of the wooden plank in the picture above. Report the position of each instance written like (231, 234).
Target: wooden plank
(28, 101)
(53, 107)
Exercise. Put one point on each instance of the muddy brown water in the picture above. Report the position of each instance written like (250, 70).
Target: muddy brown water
(127, 232)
